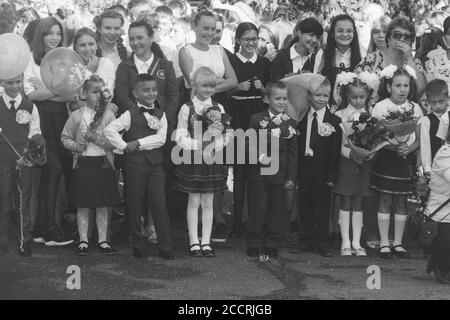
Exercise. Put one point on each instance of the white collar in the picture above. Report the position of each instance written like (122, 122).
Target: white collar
(346, 54)
(197, 101)
(138, 62)
(320, 113)
(244, 59)
(294, 54)
(140, 105)
(7, 99)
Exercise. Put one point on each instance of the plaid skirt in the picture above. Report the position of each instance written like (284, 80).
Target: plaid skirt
(201, 178)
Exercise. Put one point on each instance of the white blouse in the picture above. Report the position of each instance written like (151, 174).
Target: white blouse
(437, 65)
(212, 59)
(440, 185)
(87, 116)
(347, 115)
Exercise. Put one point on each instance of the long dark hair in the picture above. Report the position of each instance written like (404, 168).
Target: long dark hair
(100, 109)
(430, 41)
(383, 93)
(329, 53)
(43, 28)
(121, 49)
(155, 48)
(241, 29)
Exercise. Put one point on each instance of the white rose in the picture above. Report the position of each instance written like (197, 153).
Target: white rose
(23, 117)
(276, 132)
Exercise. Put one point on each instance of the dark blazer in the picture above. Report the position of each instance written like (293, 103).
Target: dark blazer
(166, 83)
(282, 64)
(287, 155)
(326, 152)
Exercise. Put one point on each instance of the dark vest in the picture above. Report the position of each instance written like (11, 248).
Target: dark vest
(16, 133)
(139, 129)
(435, 142)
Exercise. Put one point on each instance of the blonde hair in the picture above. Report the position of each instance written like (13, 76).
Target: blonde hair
(204, 75)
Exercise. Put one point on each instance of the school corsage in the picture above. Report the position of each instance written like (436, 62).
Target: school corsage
(153, 122)
(23, 117)
(280, 126)
(325, 129)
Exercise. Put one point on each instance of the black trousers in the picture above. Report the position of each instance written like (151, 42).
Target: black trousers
(265, 214)
(9, 177)
(240, 183)
(440, 252)
(147, 182)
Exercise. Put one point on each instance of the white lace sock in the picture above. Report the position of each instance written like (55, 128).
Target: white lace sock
(192, 218)
(383, 226)
(357, 224)
(400, 222)
(344, 225)
(101, 217)
(207, 217)
(83, 223)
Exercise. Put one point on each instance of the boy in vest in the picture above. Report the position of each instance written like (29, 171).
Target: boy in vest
(146, 129)
(430, 141)
(19, 122)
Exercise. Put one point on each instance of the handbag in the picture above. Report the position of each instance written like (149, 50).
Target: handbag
(422, 228)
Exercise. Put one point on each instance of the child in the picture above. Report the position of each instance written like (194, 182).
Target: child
(165, 24)
(265, 192)
(19, 122)
(253, 73)
(437, 97)
(200, 181)
(393, 173)
(353, 178)
(318, 162)
(93, 184)
(146, 129)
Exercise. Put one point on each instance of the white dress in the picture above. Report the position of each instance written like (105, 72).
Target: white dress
(211, 59)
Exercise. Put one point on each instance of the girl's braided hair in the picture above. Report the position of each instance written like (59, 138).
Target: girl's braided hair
(121, 49)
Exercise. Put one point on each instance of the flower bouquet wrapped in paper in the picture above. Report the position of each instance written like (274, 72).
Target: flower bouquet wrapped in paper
(401, 123)
(35, 153)
(369, 135)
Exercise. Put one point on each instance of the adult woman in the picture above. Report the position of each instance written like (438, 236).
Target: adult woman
(437, 64)
(109, 29)
(85, 43)
(202, 54)
(148, 58)
(399, 38)
(378, 35)
(53, 114)
(440, 193)
(268, 41)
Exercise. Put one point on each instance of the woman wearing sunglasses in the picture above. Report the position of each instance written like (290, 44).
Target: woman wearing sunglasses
(400, 36)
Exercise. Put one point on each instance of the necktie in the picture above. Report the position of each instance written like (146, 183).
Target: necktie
(314, 131)
(13, 108)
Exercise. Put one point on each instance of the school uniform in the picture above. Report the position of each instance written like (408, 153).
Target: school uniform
(288, 60)
(318, 163)
(18, 134)
(429, 142)
(265, 192)
(144, 173)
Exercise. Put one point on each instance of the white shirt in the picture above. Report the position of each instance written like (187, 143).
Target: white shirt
(143, 66)
(245, 60)
(347, 115)
(344, 58)
(113, 56)
(182, 135)
(320, 114)
(443, 127)
(32, 71)
(92, 150)
(425, 144)
(124, 122)
(34, 124)
(440, 185)
(298, 61)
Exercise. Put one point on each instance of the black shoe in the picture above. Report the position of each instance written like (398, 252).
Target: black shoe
(107, 249)
(56, 238)
(197, 253)
(253, 252)
(401, 254)
(82, 250)
(167, 255)
(304, 246)
(385, 255)
(325, 252)
(209, 253)
(219, 233)
(25, 251)
(139, 253)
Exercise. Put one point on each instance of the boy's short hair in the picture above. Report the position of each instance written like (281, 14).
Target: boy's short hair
(273, 85)
(309, 25)
(436, 87)
(164, 11)
(143, 77)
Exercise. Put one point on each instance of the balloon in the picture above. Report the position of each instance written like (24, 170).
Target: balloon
(63, 72)
(14, 55)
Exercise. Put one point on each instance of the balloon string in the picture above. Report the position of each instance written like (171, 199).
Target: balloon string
(10, 144)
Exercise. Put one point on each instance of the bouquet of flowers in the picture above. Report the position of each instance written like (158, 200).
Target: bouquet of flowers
(215, 122)
(35, 153)
(401, 123)
(369, 135)
(280, 126)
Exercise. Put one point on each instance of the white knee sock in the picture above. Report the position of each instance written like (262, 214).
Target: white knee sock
(192, 221)
(383, 226)
(83, 223)
(102, 223)
(344, 224)
(400, 222)
(207, 221)
(357, 224)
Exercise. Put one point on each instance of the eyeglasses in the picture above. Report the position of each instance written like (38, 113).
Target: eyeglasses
(247, 40)
(402, 36)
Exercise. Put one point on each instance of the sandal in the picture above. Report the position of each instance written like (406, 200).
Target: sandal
(209, 253)
(359, 252)
(197, 253)
(346, 252)
(385, 255)
(108, 250)
(82, 250)
(401, 254)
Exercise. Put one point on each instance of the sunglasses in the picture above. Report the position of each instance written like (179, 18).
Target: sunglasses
(402, 36)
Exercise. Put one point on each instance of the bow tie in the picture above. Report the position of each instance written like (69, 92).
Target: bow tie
(143, 109)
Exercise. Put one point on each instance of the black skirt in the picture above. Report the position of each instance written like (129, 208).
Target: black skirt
(393, 174)
(201, 178)
(93, 184)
